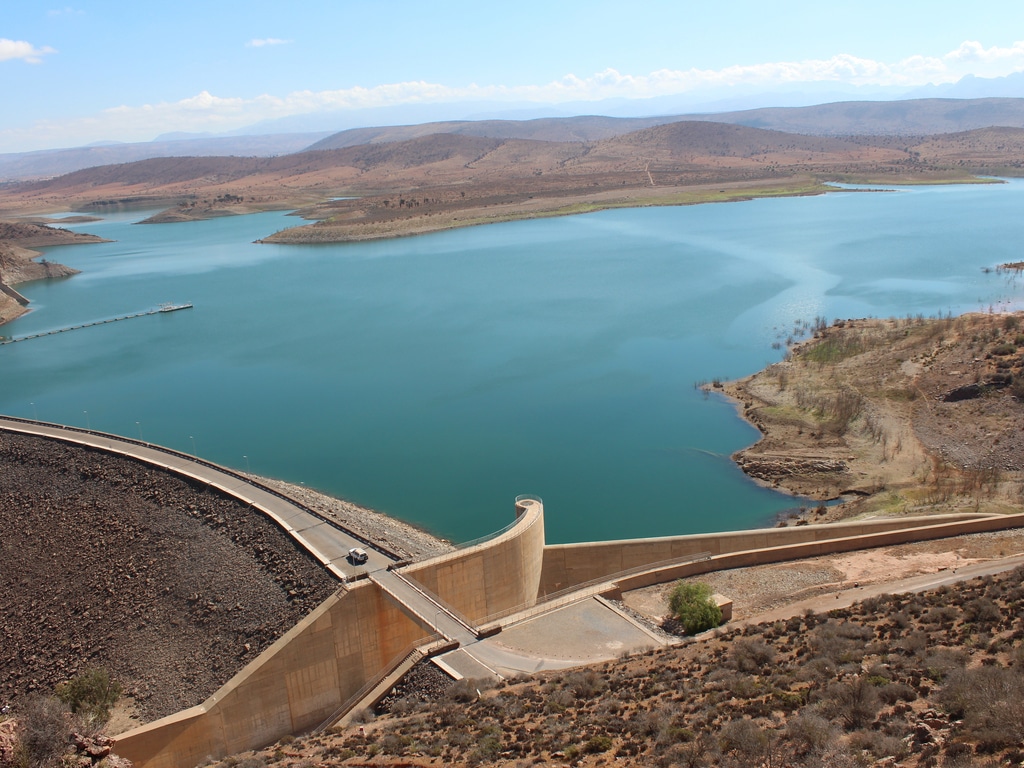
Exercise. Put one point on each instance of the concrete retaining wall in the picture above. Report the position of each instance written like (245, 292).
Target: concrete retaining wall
(291, 687)
(306, 675)
(497, 575)
(566, 565)
(797, 551)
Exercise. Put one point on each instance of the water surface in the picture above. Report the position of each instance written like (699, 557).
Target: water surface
(437, 377)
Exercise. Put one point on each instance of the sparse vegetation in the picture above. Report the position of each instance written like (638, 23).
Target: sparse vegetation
(917, 681)
(692, 604)
(915, 415)
(44, 727)
(90, 695)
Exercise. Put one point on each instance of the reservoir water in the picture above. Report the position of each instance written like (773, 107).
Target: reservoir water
(435, 378)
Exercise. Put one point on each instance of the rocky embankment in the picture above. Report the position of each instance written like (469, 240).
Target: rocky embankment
(171, 587)
(18, 262)
(910, 416)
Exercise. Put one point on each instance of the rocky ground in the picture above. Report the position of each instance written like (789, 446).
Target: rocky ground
(917, 680)
(106, 563)
(910, 416)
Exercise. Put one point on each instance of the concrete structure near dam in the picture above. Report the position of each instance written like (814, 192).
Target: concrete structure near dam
(387, 615)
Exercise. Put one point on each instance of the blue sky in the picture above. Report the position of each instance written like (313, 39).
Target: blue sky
(129, 71)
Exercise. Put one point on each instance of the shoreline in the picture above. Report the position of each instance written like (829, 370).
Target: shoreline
(887, 414)
(360, 227)
(407, 539)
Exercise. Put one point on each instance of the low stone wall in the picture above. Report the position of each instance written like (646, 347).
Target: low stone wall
(497, 575)
(292, 687)
(566, 565)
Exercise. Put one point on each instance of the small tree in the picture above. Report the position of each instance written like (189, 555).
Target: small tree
(90, 695)
(692, 604)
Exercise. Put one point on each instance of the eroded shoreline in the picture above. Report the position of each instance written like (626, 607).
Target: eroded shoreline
(913, 416)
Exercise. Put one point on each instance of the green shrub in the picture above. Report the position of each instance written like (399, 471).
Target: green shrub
(692, 604)
(90, 695)
(597, 744)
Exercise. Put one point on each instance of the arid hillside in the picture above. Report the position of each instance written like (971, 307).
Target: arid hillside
(902, 416)
(18, 262)
(442, 180)
(169, 586)
(909, 117)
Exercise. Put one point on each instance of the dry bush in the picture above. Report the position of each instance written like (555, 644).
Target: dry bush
(751, 655)
(744, 738)
(44, 731)
(990, 701)
(586, 684)
(810, 732)
(853, 703)
(879, 744)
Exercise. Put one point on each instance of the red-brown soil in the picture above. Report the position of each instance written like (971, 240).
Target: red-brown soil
(107, 563)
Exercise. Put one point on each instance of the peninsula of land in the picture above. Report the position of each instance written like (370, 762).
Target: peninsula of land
(20, 263)
(899, 416)
(394, 183)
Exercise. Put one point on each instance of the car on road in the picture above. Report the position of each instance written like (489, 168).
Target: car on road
(357, 556)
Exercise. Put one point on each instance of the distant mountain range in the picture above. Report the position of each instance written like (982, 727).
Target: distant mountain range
(56, 162)
(913, 117)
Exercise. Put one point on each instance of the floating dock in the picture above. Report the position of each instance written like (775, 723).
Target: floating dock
(162, 308)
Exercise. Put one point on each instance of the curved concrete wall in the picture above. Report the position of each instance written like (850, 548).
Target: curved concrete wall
(291, 687)
(494, 576)
(566, 565)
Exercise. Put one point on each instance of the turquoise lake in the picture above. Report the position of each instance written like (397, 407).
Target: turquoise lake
(435, 378)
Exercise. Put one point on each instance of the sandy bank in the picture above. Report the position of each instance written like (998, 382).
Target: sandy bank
(377, 217)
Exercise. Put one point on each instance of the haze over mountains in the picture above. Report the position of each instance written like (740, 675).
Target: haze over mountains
(916, 117)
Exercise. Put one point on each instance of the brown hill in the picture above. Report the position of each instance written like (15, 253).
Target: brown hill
(911, 117)
(571, 129)
(708, 143)
(467, 179)
(900, 118)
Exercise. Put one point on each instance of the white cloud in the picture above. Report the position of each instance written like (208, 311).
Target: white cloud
(974, 58)
(264, 41)
(19, 49)
(209, 112)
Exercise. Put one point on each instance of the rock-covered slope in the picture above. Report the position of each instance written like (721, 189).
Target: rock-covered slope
(106, 563)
